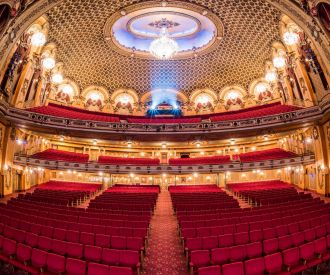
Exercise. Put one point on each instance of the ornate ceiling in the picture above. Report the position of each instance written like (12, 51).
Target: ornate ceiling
(250, 27)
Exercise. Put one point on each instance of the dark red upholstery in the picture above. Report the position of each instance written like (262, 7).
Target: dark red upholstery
(60, 155)
(127, 161)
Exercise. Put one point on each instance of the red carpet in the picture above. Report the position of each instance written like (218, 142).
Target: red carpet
(164, 253)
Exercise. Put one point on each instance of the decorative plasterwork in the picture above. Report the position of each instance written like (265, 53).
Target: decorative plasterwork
(251, 26)
(130, 31)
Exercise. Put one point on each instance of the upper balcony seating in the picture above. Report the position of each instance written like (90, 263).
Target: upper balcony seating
(128, 161)
(254, 112)
(247, 113)
(73, 113)
(200, 160)
(270, 154)
(60, 155)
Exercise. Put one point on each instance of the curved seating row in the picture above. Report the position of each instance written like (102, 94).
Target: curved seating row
(80, 114)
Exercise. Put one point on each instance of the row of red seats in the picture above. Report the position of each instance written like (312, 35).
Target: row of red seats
(107, 214)
(290, 261)
(254, 112)
(60, 155)
(128, 161)
(70, 186)
(36, 261)
(257, 185)
(73, 113)
(244, 214)
(200, 160)
(252, 222)
(273, 154)
(77, 113)
(273, 242)
(199, 189)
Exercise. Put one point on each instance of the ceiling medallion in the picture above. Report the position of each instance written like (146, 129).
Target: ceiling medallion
(150, 30)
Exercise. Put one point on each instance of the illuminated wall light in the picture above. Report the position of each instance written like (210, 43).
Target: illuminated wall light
(290, 38)
(150, 178)
(19, 141)
(198, 144)
(94, 142)
(69, 171)
(202, 153)
(129, 144)
(5, 167)
(236, 150)
(142, 154)
(258, 171)
(279, 171)
(131, 175)
(79, 175)
(219, 152)
(164, 175)
(232, 141)
(100, 174)
(48, 63)
(61, 173)
(38, 39)
(228, 174)
(61, 138)
(254, 171)
(74, 172)
(253, 148)
(195, 175)
(266, 138)
(57, 78)
(189, 178)
(164, 145)
(137, 178)
(243, 175)
(279, 62)
(208, 178)
(271, 76)
(308, 140)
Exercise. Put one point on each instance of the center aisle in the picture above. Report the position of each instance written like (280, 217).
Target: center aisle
(164, 253)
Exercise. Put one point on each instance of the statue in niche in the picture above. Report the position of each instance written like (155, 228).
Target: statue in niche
(16, 64)
(35, 80)
(234, 101)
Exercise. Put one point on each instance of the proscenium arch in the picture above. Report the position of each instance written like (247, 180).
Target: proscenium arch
(287, 7)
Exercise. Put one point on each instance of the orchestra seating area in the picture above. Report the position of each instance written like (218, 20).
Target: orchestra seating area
(61, 193)
(127, 161)
(140, 198)
(247, 113)
(43, 238)
(276, 239)
(267, 192)
(60, 155)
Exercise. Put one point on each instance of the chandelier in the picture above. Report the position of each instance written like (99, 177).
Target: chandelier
(164, 47)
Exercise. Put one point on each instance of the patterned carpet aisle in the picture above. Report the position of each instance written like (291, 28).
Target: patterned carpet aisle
(164, 253)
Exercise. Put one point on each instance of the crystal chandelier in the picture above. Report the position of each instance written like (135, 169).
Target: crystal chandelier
(164, 47)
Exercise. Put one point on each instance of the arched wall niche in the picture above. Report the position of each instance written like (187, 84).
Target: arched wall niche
(124, 101)
(94, 98)
(203, 101)
(233, 97)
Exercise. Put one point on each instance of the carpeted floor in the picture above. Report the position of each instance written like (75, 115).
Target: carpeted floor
(165, 253)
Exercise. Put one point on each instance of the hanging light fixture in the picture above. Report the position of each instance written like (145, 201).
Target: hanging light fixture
(164, 47)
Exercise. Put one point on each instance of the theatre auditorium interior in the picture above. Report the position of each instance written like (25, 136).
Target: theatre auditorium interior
(166, 137)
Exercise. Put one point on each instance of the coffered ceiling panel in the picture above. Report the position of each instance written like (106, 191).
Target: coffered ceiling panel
(250, 27)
